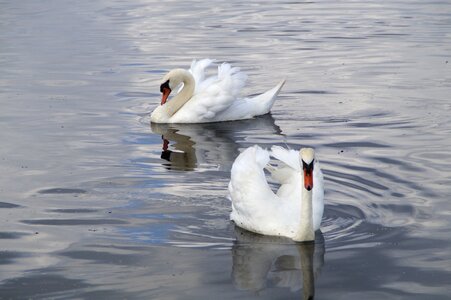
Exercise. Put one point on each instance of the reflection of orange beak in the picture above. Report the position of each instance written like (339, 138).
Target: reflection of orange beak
(165, 144)
(164, 97)
(308, 180)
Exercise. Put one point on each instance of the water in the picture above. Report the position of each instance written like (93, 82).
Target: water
(93, 206)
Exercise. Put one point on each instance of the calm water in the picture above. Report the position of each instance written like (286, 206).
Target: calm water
(92, 206)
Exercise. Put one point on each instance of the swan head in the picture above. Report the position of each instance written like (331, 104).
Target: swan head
(307, 158)
(170, 81)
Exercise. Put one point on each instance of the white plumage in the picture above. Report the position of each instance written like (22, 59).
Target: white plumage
(210, 99)
(255, 207)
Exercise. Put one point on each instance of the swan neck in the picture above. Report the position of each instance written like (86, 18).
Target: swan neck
(174, 105)
(306, 231)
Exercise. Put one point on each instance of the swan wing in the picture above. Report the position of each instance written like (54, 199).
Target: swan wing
(213, 96)
(197, 69)
(255, 207)
(289, 157)
(280, 174)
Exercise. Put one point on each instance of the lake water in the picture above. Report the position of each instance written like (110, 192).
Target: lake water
(93, 207)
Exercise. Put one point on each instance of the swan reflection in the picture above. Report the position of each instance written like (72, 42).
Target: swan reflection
(260, 261)
(188, 146)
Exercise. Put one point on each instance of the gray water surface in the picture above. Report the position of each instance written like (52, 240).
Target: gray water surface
(96, 203)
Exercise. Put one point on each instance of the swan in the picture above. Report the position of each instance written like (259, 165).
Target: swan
(295, 211)
(211, 99)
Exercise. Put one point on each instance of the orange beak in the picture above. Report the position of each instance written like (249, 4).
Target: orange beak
(308, 179)
(166, 91)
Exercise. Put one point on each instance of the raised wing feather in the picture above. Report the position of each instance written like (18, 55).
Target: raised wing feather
(288, 156)
(212, 95)
(197, 69)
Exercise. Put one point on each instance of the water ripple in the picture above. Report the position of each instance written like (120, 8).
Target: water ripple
(74, 222)
(8, 205)
(108, 206)
(62, 191)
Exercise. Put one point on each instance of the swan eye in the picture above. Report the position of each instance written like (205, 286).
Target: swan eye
(164, 86)
(307, 167)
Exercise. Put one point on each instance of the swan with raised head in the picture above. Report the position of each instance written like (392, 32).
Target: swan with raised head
(204, 99)
(295, 211)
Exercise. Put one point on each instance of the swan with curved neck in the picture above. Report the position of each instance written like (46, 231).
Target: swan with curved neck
(295, 211)
(173, 79)
(211, 99)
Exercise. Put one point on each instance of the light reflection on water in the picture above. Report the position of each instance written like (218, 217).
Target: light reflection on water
(98, 204)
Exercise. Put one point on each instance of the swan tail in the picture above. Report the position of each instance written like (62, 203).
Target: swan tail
(264, 102)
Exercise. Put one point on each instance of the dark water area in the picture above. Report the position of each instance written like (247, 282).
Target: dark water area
(96, 203)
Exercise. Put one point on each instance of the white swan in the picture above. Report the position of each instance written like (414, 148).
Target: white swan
(297, 208)
(211, 99)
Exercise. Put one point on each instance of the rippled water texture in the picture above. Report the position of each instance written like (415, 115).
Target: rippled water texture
(97, 203)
